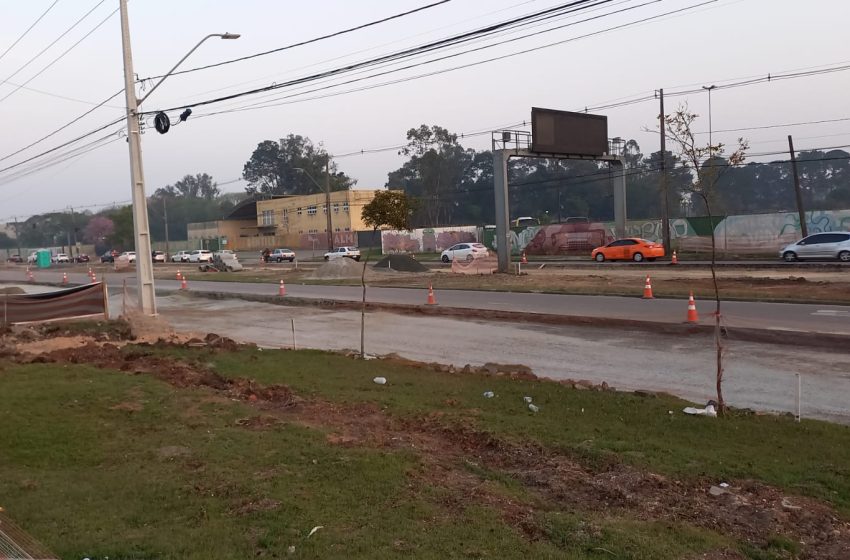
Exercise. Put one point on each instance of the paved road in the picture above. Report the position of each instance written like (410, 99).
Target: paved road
(833, 319)
(758, 376)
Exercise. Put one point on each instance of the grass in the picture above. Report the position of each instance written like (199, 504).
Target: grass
(97, 463)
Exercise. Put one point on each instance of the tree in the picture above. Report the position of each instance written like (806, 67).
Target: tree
(273, 168)
(707, 163)
(123, 234)
(191, 186)
(98, 229)
(389, 209)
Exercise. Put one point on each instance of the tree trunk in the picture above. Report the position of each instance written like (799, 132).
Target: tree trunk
(721, 405)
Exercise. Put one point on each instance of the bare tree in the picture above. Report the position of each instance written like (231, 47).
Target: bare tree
(706, 162)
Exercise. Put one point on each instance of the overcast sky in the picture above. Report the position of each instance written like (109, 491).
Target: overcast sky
(721, 41)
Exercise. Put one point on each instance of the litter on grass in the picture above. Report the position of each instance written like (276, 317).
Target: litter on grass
(380, 380)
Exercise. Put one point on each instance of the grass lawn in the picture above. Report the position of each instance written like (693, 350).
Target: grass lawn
(96, 462)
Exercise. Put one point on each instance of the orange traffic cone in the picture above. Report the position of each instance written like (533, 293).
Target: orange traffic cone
(183, 284)
(647, 289)
(281, 291)
(675, 259)
(431, 299)
(30, 276)
(93, 277)
(64, 278)
(523, 259)
(179, 276)
(692, 310)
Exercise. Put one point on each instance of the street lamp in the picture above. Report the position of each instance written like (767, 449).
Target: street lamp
(710, 145)
(141, 229)
(327, 198)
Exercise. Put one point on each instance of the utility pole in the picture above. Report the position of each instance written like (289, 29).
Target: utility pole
(804, 229)
(141, 228)
(165, 223)
(328, 202)
(665, 205)
(72, 235)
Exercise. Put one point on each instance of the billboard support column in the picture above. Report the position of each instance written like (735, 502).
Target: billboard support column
(619, 197)
(503, 232)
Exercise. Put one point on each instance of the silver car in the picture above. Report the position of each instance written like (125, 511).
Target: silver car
(831, 245)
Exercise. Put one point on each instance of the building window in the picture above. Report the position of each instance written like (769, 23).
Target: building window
(336, 207)
(345, 207)
(324, 209)
(311, 210)
(267, 218)
(299, 210)
(347, 229)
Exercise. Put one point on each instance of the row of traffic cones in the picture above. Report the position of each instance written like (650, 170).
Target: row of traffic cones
(693, 317)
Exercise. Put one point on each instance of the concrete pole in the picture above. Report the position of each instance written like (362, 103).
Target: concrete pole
(798, 193)
(619, 197)
(665, 194)
(503, 233)
(328, 202)
(144, 262)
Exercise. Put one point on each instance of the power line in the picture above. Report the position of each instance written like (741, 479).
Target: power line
(56, 40)
(308, 41)
(61, 56)
(24, 34)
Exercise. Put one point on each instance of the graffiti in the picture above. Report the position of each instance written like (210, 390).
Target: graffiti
(429, 240)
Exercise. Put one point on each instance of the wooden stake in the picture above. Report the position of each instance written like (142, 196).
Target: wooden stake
(294, 346)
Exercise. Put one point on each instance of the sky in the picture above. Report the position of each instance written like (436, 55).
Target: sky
(705, 44)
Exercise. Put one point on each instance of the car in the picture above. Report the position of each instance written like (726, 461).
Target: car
(109, 256)
(33, 258)
(60, 258)
(200, 255)
(464, 252)
(82, 258)
(129, 255)
(158, 256)
(180, 256)
(830, 245)
(222, 262)
(280, 255)
(348, 252)
(628, 249)
(15, 259)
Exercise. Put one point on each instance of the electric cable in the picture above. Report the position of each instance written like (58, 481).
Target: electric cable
(26, 32)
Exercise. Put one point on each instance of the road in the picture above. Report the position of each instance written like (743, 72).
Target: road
(827, 319)
(758, 376)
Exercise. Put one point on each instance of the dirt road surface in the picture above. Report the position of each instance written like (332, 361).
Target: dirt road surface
(758, 376)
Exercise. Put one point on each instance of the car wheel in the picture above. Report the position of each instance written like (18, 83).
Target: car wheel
(600, 257)
(279, 260)
(638, 257)
(327, 258)
(789, 256)
(292, 259)
(469, 257)
(844, 256)
(445, 259)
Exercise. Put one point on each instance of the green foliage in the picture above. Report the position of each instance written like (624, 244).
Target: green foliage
(7, 242)
(391, 209)
(123, 237)
(191, 186)
(273, 168)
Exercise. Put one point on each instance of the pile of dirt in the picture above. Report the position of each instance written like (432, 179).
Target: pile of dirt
(12, 291)
(338, 269)
(401, 263)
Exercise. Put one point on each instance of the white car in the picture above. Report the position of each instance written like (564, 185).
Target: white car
(350, 252)
(158, 257)
(200, 255)
(129, 255)
(464, 252)
(180, 256)
(33, 258)
(830, 245)
(61, 258)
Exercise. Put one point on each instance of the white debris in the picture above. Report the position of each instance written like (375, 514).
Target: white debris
(314, 529)
(380, 380)
(533, 407)
(489, 394)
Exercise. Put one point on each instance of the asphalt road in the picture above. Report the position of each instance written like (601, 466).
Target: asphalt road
(834, 319)
(758, 376)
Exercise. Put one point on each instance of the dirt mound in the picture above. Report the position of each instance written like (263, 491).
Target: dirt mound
(338, 269)
(401, 263)
(12, 291)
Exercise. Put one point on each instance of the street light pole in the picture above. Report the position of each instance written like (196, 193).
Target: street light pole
(710, 145)
(141, 228)
(327, 197)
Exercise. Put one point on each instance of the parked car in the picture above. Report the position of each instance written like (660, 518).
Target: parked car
(15, 259)
(200, 255)
(33, 258)
(349, 252)
(464, 252)
(129, 255)
(629, 249)
(180, 256)
(222, 262)
(82, 258)
(60, 258)
(280, 255)
(158, 256)
(832, 245)
(109, 256)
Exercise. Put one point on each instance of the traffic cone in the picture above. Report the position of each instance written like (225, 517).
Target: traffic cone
(30, 275)
(675, 259)
(93, 277)
(179, 276)
(431, 299)
(692, 310)
(64, 278)
(183, 284)
(281, 291)
(523, 259)
(647, 289)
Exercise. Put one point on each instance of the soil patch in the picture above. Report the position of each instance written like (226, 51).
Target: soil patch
(338, 269)
(400, 263)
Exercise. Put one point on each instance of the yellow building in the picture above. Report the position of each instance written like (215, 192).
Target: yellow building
(307, 214)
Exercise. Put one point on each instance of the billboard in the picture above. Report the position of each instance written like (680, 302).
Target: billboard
(567, 133)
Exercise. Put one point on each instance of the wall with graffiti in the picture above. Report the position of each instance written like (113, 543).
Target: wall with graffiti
(427, 240)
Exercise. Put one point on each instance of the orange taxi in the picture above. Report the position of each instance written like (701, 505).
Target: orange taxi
(628, 249)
